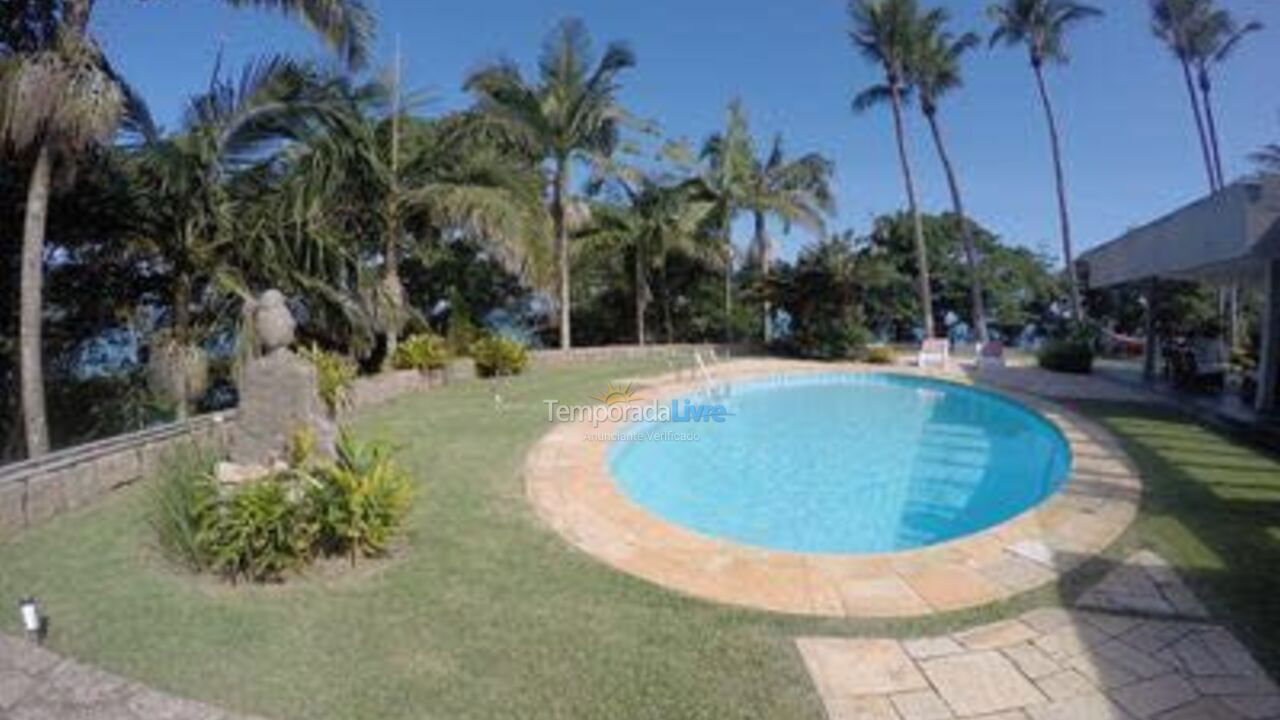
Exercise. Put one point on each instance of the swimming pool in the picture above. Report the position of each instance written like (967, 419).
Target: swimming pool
(846, 463)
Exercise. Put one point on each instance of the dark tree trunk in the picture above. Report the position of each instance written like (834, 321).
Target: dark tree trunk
(728, 282)
(1215, 150)
(30, 316)
(1200, 130)
(181, 338)
(642, 292)
(966, 232)
(765, 246)
(922, 251)
(668, 327)
(1064, 219)
(559, 193)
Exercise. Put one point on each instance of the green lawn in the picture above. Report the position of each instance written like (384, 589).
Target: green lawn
(490, 615)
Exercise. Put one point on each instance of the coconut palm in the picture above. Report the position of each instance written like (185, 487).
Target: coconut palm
(59, 97)
(387, 185)
(887, 33)
(1171, 22)
(934, 70)
(1268, 158)
(724, 183)
(1211, 38)
(569, 114)
(188, 209)
(1041, 26)
(658, 217)
(793, 191)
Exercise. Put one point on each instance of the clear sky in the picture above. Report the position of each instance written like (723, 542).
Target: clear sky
(1129, 138)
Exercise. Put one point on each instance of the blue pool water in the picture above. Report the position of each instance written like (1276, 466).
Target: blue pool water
(847, 463)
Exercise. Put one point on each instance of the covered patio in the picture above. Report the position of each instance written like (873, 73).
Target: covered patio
(1229, 239)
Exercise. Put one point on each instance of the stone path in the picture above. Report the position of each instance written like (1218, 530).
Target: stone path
(1136, 647)
(36, 684)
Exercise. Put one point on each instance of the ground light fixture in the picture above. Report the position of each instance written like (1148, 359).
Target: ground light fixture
(32, 622)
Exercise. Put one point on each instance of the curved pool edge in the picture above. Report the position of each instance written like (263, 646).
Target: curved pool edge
(568, 482)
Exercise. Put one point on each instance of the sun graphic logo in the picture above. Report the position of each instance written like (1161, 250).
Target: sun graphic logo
(615, 395)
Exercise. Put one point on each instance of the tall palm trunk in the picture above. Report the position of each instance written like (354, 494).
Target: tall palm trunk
(559, 193)
(728, 282)
(1215, 150)
(966, 232)
(922, 253)
(30, 336)
(1064, 219)
(642, 291)
(766, 252)
(1200, 129)
(668, 327)
(181, 338)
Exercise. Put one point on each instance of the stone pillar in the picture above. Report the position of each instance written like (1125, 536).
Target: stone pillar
(1269, 358)
(278, 393)
(1151, 347)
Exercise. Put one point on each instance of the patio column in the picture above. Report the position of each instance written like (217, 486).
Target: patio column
(1269, 359)
(1150, 347)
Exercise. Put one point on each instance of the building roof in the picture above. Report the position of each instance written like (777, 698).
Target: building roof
(1218, 238)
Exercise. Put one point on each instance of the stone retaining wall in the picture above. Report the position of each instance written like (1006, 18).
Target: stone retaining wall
(33, 491)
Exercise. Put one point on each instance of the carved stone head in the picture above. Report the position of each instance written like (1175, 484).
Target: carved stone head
(274, 322)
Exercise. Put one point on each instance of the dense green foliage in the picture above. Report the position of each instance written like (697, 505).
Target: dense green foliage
(335, 377)
(263, 529)
(1067, 356)
(499, 356)
(422, 352)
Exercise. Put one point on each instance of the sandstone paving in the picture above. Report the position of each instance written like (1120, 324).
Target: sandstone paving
(1058, 663)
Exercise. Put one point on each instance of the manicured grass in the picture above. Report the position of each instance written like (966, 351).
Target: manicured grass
(491, 615)
(1212, 508)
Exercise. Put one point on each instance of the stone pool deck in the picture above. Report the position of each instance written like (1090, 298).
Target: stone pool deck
(1136, 647)
(569, 484)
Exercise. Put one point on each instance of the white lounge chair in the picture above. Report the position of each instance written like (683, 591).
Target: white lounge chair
(934, 351)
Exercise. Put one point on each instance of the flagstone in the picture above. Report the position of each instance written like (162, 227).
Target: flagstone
(852, 667)
(1085, 707)
(921, 705)
(1152, 697)
(980, 682)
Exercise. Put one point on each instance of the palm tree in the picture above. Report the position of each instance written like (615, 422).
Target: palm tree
(934, 70)
(729, 159)
(1268, 158)
(1041, 25)
(60, 97)
(794, 191)
(1212, 36)
(188, 209)
(887, 32)
(1171, 21)
(570, 114)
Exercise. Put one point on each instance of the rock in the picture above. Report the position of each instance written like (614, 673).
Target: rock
(278, 397)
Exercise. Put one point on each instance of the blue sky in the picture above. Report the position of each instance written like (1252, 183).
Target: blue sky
(1128, 133)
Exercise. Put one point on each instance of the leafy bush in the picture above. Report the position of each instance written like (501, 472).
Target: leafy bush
(831, 338)
(1067, 356)
(261, 530)
(422, 352)
(335, 376)
(180, 502)
(496, 355)
(880, 355)
(361, 499)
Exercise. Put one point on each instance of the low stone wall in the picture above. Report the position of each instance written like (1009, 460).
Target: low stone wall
(680, 353)
(33, 491)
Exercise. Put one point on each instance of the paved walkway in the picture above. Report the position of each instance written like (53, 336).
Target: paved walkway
(1136, 647)
(36, 684)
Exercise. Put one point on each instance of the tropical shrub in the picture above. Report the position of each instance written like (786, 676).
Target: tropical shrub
(421, 352)
(335, 376)
(180, 502)
(880, 355)
(361, 499)
(261, 530)
(1066, 356)
(496, 355)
